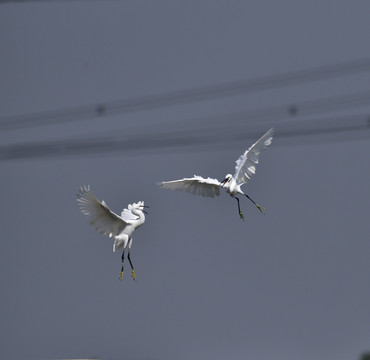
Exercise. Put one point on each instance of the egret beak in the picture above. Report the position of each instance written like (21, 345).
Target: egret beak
(223, 182)
(146, 206)
(143, 207)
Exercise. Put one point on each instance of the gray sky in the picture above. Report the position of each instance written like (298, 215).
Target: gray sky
(288, 285)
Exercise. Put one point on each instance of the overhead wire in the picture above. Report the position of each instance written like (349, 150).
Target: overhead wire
(141, 103)
(140, 143)
(291, 110)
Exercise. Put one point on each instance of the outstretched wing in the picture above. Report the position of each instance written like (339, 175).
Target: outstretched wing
(246, 164)
(99, 215)
(195, 185)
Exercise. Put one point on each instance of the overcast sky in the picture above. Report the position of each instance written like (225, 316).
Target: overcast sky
(293, 284)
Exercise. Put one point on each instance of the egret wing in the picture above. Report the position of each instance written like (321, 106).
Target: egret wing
(246, 164)
(98, 213)
(196, 185)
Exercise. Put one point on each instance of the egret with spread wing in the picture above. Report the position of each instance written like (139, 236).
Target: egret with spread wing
(244, 169)
(108, 223)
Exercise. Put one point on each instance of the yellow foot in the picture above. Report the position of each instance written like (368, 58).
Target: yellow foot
(133, 274)
(261, 209)
(121, 275)
(241, 215)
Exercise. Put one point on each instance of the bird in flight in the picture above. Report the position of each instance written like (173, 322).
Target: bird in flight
(108, 223)
(244, 169)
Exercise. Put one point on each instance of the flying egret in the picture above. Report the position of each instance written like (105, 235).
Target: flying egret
(244, 169)
(108, 223)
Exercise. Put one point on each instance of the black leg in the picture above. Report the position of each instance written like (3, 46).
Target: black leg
(258, 207)
(129, 259)
(123, 258)
(132, 267)
(240, 212)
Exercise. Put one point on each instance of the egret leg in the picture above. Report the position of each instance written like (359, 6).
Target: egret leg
(123, 258)
(132, 267)
(258, 207)
(240, 212)
(129, 259)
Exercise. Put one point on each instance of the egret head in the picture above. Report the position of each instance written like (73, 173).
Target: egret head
(140, 206)
(228, 177)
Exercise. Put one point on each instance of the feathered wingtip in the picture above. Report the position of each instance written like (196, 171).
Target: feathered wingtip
(269, 134)
(82, 190)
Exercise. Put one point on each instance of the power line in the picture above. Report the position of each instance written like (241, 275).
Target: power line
(280, 112)
(139, 143)
(304, 108)
(184, 96)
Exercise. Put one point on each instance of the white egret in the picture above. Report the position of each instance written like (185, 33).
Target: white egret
(108, 223)
(244, 169)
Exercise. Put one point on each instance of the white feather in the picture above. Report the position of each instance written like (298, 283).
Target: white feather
(127, 215)
(99, 215)
(246, 164)
(196, 185)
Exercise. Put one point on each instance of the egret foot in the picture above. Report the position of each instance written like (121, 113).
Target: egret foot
(121, 275)
(133, 274)
(261, 209)
(241, 215)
